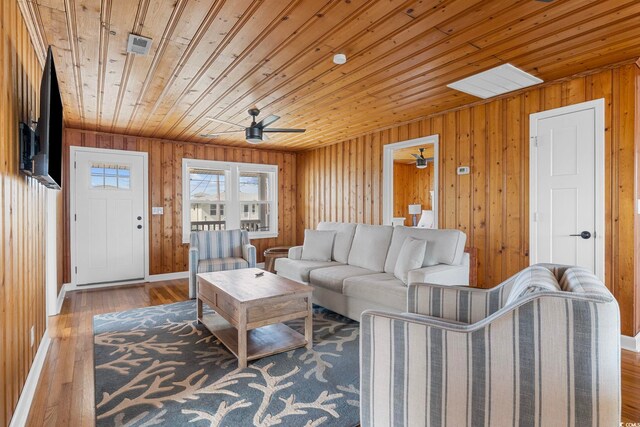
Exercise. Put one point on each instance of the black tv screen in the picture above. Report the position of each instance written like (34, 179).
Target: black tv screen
(48, 161)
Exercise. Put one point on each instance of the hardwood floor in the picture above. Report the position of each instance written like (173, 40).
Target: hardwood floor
(64, 396)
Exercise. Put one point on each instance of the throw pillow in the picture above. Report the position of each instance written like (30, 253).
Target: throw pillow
(530, 280)
(410, 257)
(318, 245)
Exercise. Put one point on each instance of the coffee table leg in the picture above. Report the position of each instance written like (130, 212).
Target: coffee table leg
(308, 326)
(242, 339)
(199, 312)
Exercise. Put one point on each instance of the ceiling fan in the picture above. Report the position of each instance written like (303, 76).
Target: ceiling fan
(421, 160)
(256, 132)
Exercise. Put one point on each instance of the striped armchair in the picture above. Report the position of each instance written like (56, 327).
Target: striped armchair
(473, 357)
(217, 251)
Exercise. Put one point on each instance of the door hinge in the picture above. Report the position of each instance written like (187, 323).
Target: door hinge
(76, 270)
(534, 139)
(75, 164)
(535, 217)
(75, 217)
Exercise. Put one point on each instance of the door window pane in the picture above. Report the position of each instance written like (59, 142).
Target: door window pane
(111, 177)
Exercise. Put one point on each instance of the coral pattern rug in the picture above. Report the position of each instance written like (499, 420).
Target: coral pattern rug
(157, 366)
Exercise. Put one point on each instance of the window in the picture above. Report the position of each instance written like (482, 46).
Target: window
(114, 177)
(225, 195)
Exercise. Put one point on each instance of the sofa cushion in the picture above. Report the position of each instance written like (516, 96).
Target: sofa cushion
(343, 240)
(444, 247)
(299, 270)
(332, 277)
(318, 245)
(531, 280)
(381, 288)
(410, 258)
(221, 264)
(370, 246)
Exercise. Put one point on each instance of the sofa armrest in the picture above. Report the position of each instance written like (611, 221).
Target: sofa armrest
(441, 274)
(295, 252)
(249, 254)
(456, 303)
(193, 270)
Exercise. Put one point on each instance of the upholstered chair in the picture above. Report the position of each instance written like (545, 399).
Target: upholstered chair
(527, 352)
(217, 251)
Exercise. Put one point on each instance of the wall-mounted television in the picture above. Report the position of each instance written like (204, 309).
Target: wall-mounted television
(45, 147)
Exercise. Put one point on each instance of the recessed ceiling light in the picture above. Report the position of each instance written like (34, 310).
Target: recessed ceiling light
(339, 58)
(496, 81)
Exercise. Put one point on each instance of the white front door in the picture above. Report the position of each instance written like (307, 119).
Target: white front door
(109, 216)
(565, 180)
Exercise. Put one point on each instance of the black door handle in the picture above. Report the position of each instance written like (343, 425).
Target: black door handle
(139, 227)
(139, 218)
(584, 235)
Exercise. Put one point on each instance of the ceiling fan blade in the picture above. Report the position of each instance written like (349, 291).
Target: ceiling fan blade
(267, 121)
(213, 119)
(415, 155)
(264, 136)
(283, 130)
(220, 133)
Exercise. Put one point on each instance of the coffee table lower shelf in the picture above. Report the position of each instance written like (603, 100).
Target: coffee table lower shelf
(261, 342)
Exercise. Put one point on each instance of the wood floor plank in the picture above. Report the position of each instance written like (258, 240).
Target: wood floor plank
(64, 396)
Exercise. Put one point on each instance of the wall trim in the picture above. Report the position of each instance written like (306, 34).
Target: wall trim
(630, 343)
(169, 276)
(23, 407)
(60, 300)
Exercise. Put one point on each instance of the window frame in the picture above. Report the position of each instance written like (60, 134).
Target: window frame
(232, 203)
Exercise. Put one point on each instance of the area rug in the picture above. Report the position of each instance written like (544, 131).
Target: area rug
(158, 366)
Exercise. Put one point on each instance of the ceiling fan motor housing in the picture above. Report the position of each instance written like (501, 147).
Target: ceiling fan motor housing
(253, 134)
(421, 163)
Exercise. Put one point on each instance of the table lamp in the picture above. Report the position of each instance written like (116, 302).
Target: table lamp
(415, 210)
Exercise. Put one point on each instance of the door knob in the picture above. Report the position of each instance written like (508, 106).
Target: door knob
(139, 226)
(139, 218)
(584, 235)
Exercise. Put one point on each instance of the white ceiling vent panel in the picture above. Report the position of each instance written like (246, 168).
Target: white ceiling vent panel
(138, 45)
(496, 81)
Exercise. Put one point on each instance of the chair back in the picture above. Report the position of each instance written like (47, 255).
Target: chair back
(219, 243)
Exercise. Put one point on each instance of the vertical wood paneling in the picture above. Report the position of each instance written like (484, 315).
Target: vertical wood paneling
(167, 254)
(22, 217)
(411, 186)
(492, 203)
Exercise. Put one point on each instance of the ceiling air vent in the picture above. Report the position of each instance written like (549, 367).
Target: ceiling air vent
(138, 45)
(496, 81)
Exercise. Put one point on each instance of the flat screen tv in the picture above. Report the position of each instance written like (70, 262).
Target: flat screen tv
(47, 162)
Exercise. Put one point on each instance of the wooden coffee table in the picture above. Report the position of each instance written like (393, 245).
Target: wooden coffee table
(251, 311)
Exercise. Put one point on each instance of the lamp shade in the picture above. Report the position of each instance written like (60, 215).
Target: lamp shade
(415, 209)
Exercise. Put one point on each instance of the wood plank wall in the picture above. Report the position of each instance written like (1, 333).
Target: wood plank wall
(22, 217)
(411, 186)
(167, 253)
(343, 182)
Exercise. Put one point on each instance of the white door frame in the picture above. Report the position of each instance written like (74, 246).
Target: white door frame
(387, 175)
(72, 209)
(599, 236)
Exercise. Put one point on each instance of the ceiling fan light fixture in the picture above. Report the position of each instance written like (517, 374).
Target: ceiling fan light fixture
(421, 163)
(339, 58)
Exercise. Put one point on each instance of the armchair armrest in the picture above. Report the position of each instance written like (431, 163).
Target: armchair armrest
(295, 252)
(456, 303)
(249, 254)
(194, 257)
(442, 274)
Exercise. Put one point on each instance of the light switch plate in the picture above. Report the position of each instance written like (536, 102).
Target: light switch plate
(157, 210)
(464, 170)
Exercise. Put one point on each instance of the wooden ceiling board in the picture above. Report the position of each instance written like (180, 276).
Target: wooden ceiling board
(220, 58)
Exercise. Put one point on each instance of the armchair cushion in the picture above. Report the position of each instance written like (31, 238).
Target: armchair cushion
(221, 264)
(220, 244)
(532, 279)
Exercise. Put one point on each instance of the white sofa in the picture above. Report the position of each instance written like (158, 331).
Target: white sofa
(360, 275)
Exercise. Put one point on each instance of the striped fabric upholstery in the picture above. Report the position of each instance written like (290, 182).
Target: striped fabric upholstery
(549, 359)
(217, 251)
(532, 279)
(221, 264)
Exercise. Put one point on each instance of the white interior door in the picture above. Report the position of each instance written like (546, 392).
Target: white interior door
(109, 217)
(565, 187)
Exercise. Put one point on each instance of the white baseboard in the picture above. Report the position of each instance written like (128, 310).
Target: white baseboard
(168, 276)
(60, 301)
(23, 407)
(630, 343)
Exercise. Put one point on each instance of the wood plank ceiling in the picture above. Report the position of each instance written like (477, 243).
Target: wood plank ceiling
(219, 58)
